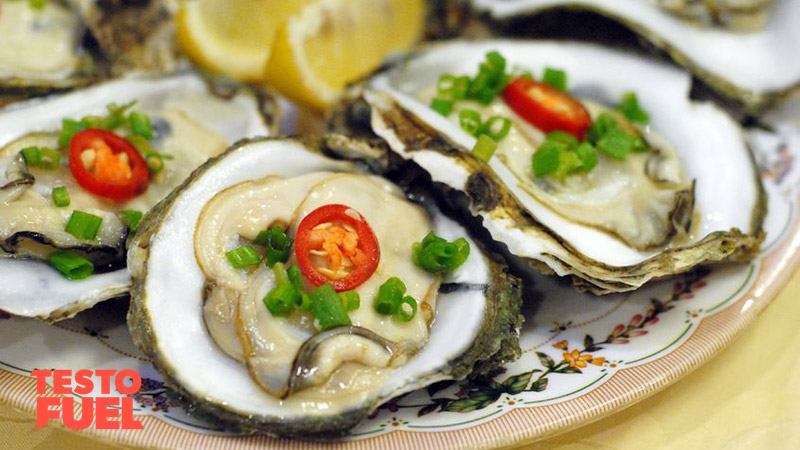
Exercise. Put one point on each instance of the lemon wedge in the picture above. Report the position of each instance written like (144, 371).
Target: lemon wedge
(332, 42)
(233, 37)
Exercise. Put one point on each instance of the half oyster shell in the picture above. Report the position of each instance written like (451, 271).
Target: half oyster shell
(755, 69)
(282, 376)
(192, 120)
(70, 44)
(728, 205)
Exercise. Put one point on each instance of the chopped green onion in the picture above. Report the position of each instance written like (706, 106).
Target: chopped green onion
(242, 257)
(116, 115)
(616, 143)
(446, 84)
(556, 78)
(350, 299)
(277, 244)
(70, 128)
(281, 300)
(568, 163)
(155, 163)
(406, 308)
(629, 106)
(32, 155)
(327, 308)
(588, 156)
(547, 157)
(83, 225)
(470, 121)
(442, 106)
(140, 125)
(42, 157)
(484, 148)
(639, 145)
(601, 126)
(141, 144)
(61, 196)
(492, 130)
(51, 158)
(38, 4)
(295, 276)
(304, 301)
(563, 137)
(437, 255)
(389, 296)
(72, 266)
(131, 219)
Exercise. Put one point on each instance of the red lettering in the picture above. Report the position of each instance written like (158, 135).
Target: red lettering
(105, 379)
(127, 422)
(41, 380)
(43, 411)
(68, 411)
(136, 381)
(104, 413)
(61, 381)
(83, 379)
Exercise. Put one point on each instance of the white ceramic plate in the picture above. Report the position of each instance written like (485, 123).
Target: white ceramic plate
(584, 357)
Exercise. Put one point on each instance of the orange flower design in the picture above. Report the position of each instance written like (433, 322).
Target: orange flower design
(575, 359)
(562, 345)
(598, 361)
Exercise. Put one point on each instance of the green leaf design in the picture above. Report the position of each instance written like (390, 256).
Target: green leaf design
(516, 384)
(569, 369)
(588, 341)
(539, 385)
(546, 360)
(435, 404)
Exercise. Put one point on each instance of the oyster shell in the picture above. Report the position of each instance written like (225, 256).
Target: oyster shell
(279, 375)
(192, 119)
(726, 208)
(755, 69)
(73, 43)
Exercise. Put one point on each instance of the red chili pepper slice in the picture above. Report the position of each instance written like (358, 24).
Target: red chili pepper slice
(334, 244)
(547, 108)
(113, 168)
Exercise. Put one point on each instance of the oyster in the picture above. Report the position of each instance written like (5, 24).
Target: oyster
(755, 69)
(64, 45)
(285, 373)
(613, 229)
(192, 121)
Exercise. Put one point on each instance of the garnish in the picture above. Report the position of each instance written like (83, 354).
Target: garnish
(61, 197)
(630, 108)
(278, 245)
(327, 308)
(107, 165)
(484, 148)
(72, 266)
(487, 84)
(83, 225)
(286, 295)
(437, 255)
(42, 157)
(131, 219)
(556, 78)
(561, 154)
(243, 257)
(611, 139)
(335, 244)
(392, 301)
(546, 107)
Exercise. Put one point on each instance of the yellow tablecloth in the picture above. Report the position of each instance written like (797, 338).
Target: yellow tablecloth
(748, 397)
